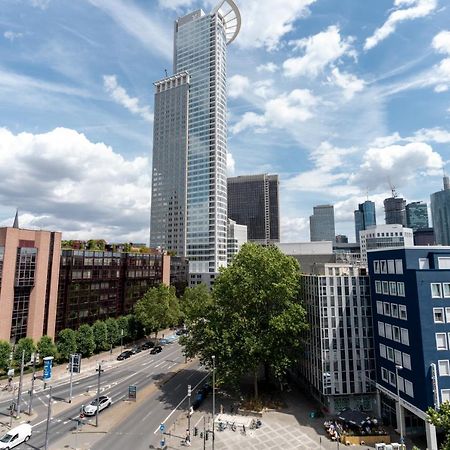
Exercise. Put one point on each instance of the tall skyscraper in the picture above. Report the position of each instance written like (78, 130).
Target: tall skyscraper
(395, 210)
(253, 200)
(365, 217)
(189, 188)
(321, 223)
(440, 213)
(417, 215)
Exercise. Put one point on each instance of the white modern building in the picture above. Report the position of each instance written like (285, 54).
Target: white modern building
(190, 141)
(384, 236)
(237, 237)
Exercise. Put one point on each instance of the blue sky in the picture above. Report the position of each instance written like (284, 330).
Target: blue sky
(339, 98)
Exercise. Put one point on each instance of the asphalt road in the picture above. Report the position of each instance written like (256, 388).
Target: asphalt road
(141, 370)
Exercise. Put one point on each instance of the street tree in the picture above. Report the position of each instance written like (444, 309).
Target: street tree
(66, 343)
(158, 308)
(255, 320)
(5, 352)
(113, 331)
(441, 419)
(195, 302)
(26, 344)
(123, 323)
(100, 332)
(46, 347)
(85, 340)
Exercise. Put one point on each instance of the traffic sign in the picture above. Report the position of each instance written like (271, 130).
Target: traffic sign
(75, 360)
(162, 428)
(132, 392)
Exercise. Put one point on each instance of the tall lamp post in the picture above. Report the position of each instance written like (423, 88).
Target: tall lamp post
(400, 414)
(214, 400)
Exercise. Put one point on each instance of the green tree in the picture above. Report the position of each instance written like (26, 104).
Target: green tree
(100, 332)
(66, 343)
(157, 308)
(5, 352)
(85, 340)
(113, 331)
(46, 347)
(195, 302)
(123, 324)
(135, 328)
(255, 320)
(441, 418)
(26, 344)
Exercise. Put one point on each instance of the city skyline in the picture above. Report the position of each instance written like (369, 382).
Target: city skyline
(92, 65)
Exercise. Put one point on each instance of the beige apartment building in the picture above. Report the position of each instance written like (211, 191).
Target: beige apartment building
(29, 273)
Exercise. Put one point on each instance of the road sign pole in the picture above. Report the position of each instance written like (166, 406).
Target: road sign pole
(189, 411)
(71, 377)
(99, 370)
(30, 406)
(214, 400)
(19, 394)
(204, 433)
(49, 415)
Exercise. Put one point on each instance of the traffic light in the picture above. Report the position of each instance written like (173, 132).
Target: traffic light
(195, 431)
(206, 435)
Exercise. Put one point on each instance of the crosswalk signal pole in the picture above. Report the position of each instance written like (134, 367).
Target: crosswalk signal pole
(71, 377)
(49, 415)
(99, 370)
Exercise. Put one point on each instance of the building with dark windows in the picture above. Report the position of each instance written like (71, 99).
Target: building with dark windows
(253, 200)
(29, 268)
(95, 285)
(395, 210)
(410, 290)
(440, 213)
(321, 223)
(417, 215)
(365, 217)
(424, 236)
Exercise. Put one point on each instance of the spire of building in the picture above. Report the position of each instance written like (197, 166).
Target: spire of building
(16, 220)
(446, 182)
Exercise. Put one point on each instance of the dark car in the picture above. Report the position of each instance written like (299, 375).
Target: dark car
(155, 350)
(125, 355)
(147, 345)
(136, 349)
(199, 397)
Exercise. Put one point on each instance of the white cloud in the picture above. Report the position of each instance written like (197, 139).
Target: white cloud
(175, 4)
(68, 183)
(237, 85)
(120, 96)
(248, 120)
(350, 83)
(269, 67)
(42, 4)
(11, 35)
(320, 51)
(414, 9)
(294, 229)
(441, 42)
(438, 135)
(263, 88)
(231, 165)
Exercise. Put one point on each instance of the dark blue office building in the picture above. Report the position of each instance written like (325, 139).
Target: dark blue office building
(410, 290)
(365, 217)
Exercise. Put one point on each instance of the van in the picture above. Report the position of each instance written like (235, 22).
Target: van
(16, 436)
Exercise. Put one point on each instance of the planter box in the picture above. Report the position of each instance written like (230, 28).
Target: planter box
(366, 440)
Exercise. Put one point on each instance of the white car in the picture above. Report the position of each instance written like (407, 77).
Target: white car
(91, 409)
(16, 436)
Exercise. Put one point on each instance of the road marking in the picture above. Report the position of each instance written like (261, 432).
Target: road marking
(177, 387)
(198, 421)
(39, 423)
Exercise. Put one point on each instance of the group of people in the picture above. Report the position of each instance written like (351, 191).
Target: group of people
(334, 429)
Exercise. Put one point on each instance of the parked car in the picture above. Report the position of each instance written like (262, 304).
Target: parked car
(182, 331)
(136, 349)
(147, 345)
(155, 350)
(103, 402)
(16, 436)
(125, 355)
(198, 400)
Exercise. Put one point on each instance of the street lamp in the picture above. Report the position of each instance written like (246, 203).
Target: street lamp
(400, 415)
(189, 411)
(214, 399)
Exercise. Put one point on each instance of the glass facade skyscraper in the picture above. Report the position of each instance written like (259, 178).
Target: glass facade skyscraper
(417, 215)
(200, 51)
(365, 217)
(321, 223)
(395, 211)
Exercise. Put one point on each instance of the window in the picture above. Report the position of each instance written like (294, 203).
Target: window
(388, 329)
(444, 368)
(379, 307)
(383, 267)
(401, 383)
(392, 378)
(385, 288)
(445, 395)
(436, 290)
(378, 287)
(444, 262)
(409, 388)
(406, 361)
(376, 266)
(447, 315)
(387, 308)
(396, 333)
(424, 263)
(390, 354)
(381, 329)
(402, 312)
(394, 310)
(441, 341)
(384, 375)
(405, 336)
(401, 289)
(446, 287)
(399, 266)
(438, 315)
(382, 350)
(391, 266)
(392, 288)
(398, 357)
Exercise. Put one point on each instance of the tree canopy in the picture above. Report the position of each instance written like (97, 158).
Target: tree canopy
(100, 332)
(46, 347)
(66, 343)
(26, 344)
(85, 340)
(441, 419)
(5, 352)
(254, 318)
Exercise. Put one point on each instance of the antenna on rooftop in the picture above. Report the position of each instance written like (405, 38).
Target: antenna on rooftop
(393, 190)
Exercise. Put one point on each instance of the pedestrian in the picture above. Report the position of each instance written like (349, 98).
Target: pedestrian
(243, 429)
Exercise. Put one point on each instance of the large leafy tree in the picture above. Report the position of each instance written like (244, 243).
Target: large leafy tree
(85, 340)
(255, 319)
(195, 302)
(66, 343)
(441, 419)
(46, 347)
(123, 324)
(27, 345)
(100, 332)
(5, 352)
(158, 308)
(113, 331)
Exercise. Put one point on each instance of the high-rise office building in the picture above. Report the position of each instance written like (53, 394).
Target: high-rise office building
(417, 215)
(237, 237)
(321, 223)
(198, 136)
(365, 217)
(395, 210)
(253, 200)
(440, 213)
